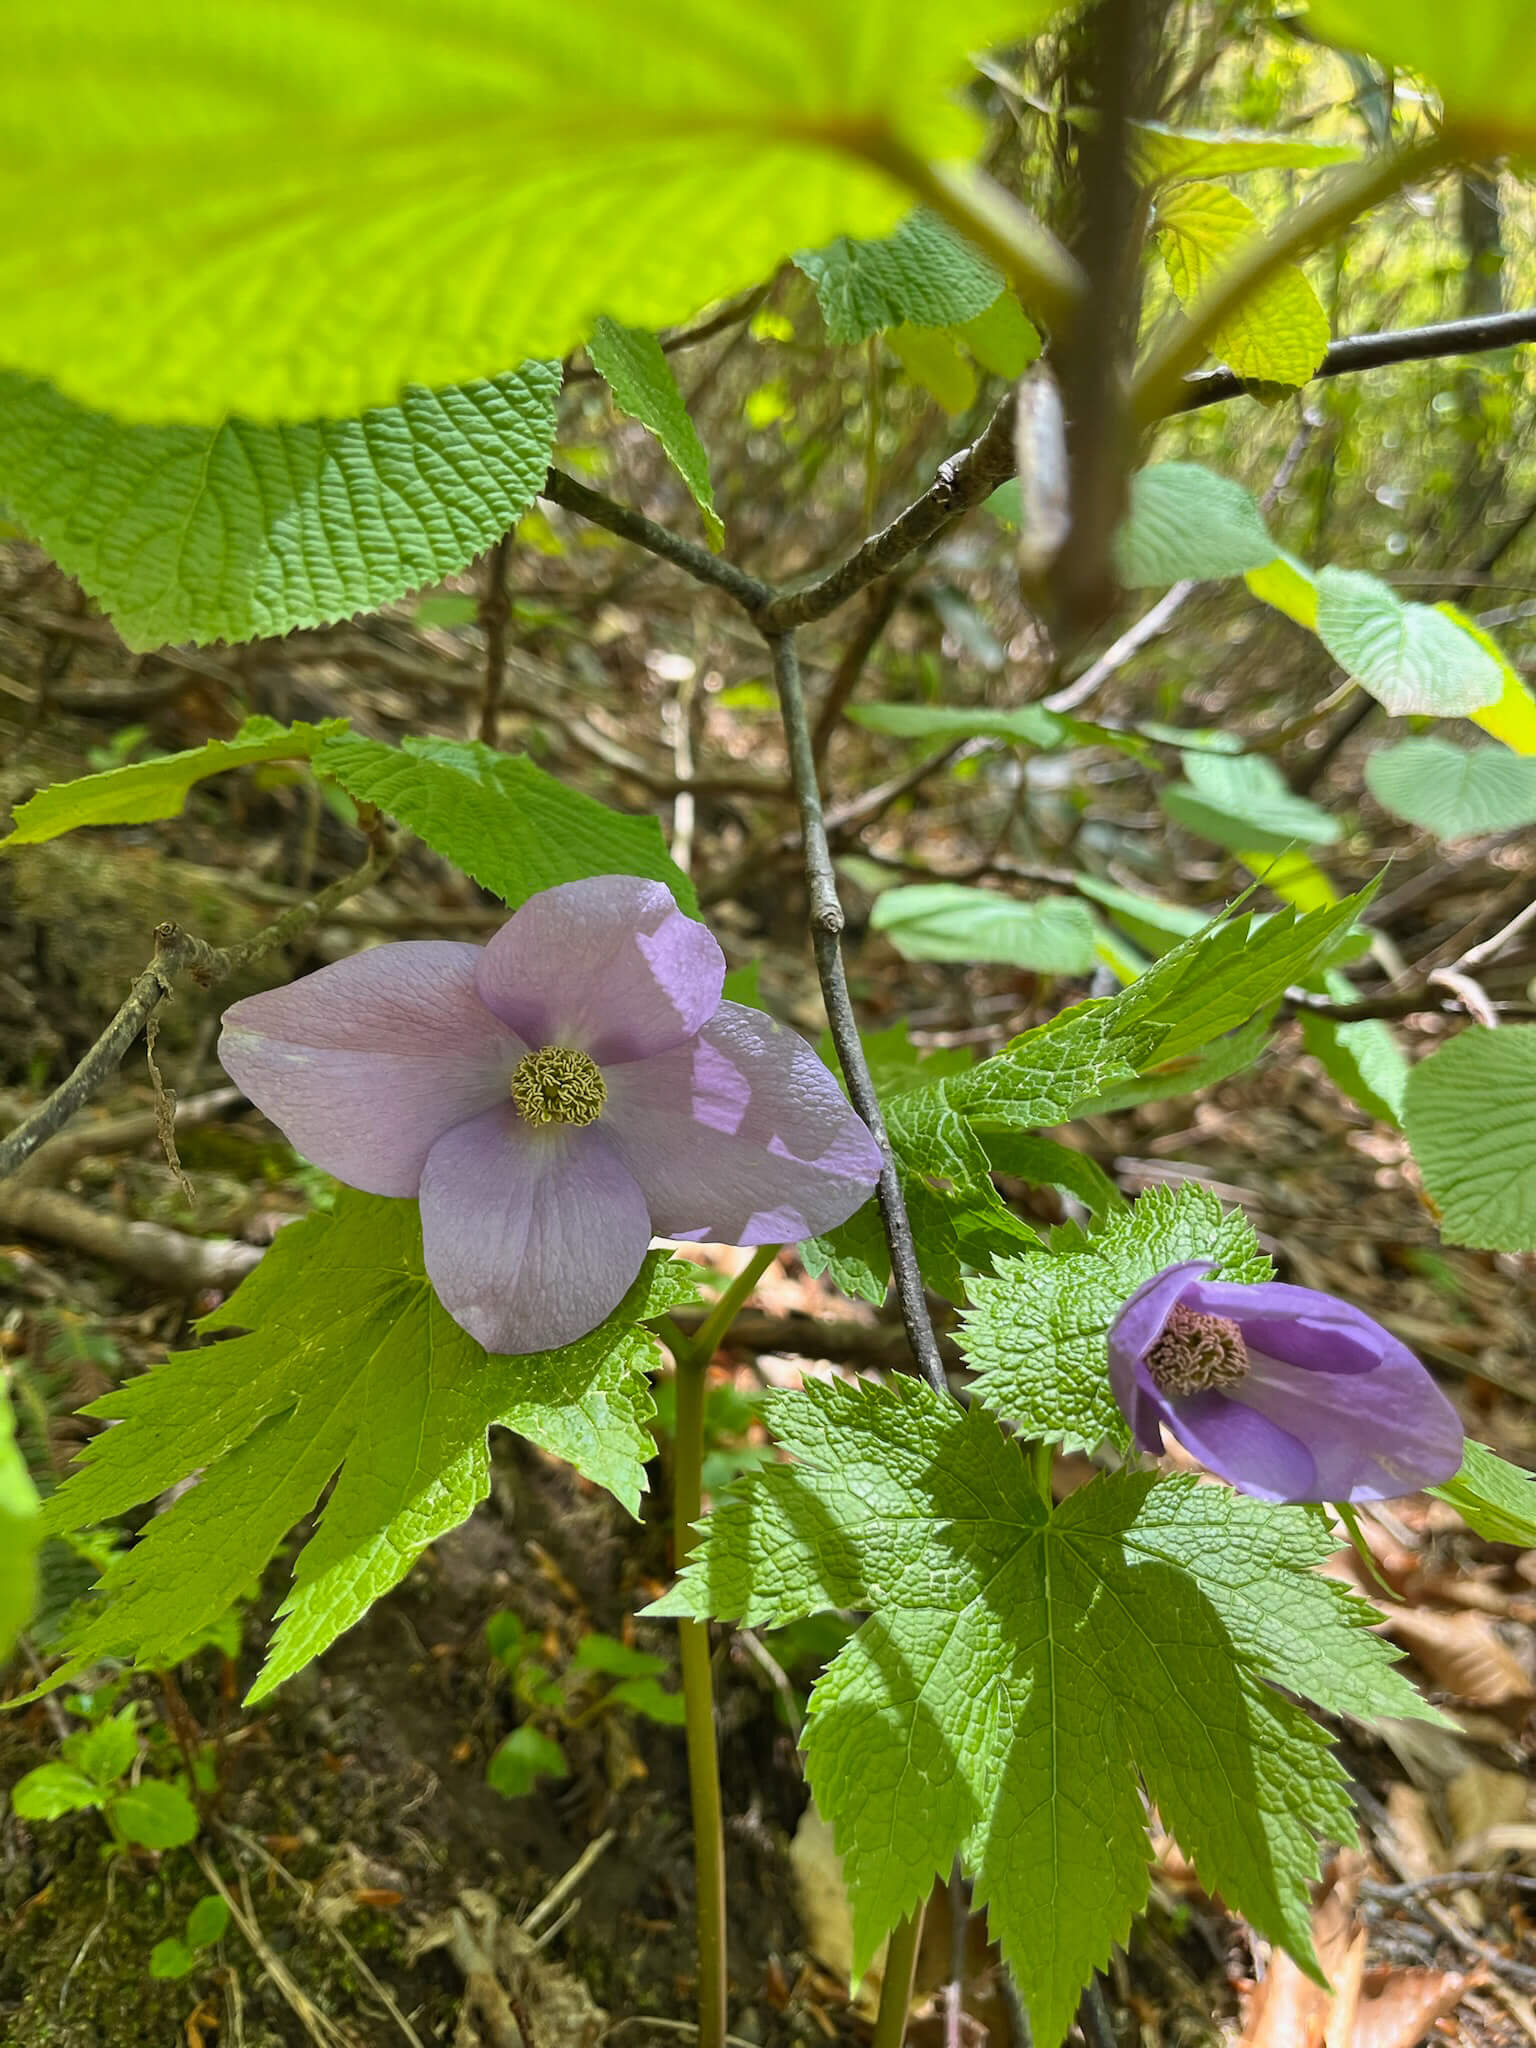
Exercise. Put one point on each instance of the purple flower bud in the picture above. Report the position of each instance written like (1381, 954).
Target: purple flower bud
(1285, 1393)
(555, 1098)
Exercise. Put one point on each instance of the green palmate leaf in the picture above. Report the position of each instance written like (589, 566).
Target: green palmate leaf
(226, 532)
(290, 215)
(1280, 334)
(507, 824)
(354, 1372)
(1045, 1163)
(1470, 1114)
(523, 1761)
(1363, 1059)
(1000, 339)
(146, 790)
(155, 1815)
(946, 921)
(20, 1533)
(1030, 725)
(52, 1790)
(636, 371)
(1497, 1499)
(1186, 522)
(933, 358)
(1022, 1668)
(923, 275)
(1037, 1334)
(1242, 801)
(1412, 658)
(1478, 57)
(1210, 984)
(1163, 155)
(106, 1752)
(1454, 791)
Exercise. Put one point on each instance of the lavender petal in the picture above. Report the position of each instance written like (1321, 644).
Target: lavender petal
(609, 965)
(531, 1236)
(364, 1064)
(741, 1136)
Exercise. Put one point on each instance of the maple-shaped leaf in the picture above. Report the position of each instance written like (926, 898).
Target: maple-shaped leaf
(352, 1370)
(1027, 1676)
(1038, 1331)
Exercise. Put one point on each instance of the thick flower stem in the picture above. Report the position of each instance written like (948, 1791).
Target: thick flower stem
(896, 1990)
(691, 1358)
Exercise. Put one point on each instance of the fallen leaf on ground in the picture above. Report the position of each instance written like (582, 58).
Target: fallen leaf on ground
(1463, 1653)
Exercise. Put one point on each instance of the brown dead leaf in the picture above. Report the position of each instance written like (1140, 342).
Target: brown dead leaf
(1480, 1798)
(1379, 2008)
(1420, 1851)
(1463, 1653)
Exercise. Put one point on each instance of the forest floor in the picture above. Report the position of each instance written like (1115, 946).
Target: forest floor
(381, 1891)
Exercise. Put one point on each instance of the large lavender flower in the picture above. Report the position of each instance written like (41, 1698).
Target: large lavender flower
(1286, 1393)
(555, 1098)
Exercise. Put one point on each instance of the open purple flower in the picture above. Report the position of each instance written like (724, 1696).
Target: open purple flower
(1286, 1393)
(555, 1098)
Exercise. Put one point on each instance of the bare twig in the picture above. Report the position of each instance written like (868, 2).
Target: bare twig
(838, 1339)
(748, 591)
(826, 933)
(962, 482)
(178, 952)
(734, 313)
(151, 1251)
(495, 611)
(1358, 352)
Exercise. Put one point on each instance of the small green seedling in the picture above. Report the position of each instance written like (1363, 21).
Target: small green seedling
(177, 1956)
(93, 1772)
(529, 1755)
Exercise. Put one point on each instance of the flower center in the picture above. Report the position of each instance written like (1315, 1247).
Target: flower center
(558, 1085)
(1196, 1353)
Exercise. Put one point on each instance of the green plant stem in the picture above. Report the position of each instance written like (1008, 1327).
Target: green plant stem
(691, 1356)
(1157, 388)
(1046, 275)
(896, 1991)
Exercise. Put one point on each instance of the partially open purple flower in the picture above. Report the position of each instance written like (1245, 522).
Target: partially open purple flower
(1286, 1393)
(555, 1098)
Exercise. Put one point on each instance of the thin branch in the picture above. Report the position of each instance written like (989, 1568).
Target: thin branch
(826, 934)
(1413, 1002)
(839, 1339)
(1159, 382)
(962, 482)
(1358, 352)
(121, 1134)
(879, 610)
(176, 953)
(495, 612)
(150, 1251)
(750, 592)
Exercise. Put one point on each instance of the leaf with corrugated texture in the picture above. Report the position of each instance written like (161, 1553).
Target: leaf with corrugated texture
(1454, 791)
(289, 212)
(1411, 657)
(1470, 1115)
(922, 274)
(1188, 523)
(1243, 802)
(187, 533)
(1279, 334)
(1163, 155)
(947, 921)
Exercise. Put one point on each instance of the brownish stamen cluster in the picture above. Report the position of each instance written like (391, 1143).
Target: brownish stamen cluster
(1197, 1353)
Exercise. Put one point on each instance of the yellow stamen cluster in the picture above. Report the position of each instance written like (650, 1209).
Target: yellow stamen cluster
(558, 1085)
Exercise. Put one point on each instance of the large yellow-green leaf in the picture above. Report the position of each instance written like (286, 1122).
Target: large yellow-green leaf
(227, 532)
(1479, 54)
(1163, 155)
(295, 212)
(1280, 334)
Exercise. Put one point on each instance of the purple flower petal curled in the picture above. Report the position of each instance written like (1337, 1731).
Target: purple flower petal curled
(531, 1236)
(741, 1136)
(1331, 1406)
(610, 966)
(364, 1064)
